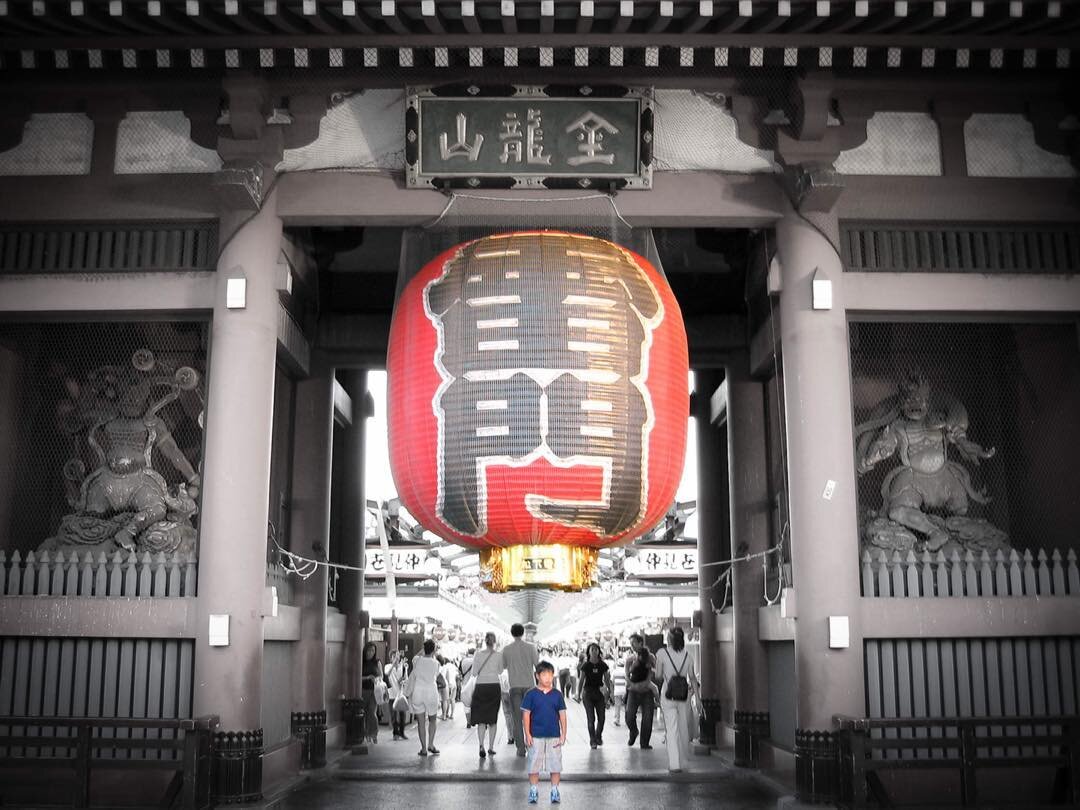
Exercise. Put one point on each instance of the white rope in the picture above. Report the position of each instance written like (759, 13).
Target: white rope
(307, 566)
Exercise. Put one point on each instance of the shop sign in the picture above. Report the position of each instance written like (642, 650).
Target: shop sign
(589, 138)
(403, 563)
(665, 562)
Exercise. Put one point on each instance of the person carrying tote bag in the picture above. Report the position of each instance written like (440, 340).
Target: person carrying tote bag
(485, 702)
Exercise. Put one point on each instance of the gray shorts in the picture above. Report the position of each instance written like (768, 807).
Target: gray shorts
(545, 755)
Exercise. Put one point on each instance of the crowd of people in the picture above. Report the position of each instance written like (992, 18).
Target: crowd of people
(529, 686)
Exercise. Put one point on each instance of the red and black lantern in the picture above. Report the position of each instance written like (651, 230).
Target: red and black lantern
(537, 402)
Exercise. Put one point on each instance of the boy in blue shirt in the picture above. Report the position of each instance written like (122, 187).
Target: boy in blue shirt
(543, 719)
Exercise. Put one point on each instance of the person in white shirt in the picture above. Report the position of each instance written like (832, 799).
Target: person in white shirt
(673, 662)
(520, 659)
(423, 695)
(450, 674)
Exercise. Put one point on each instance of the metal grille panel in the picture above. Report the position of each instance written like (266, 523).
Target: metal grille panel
(107, 249)
(876, 248)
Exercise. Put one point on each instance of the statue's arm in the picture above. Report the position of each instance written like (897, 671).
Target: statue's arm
(171, 450)
(970, 450)
(880, 449)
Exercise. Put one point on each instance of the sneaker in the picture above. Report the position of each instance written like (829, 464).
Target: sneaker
(555, 798)
(534, 794)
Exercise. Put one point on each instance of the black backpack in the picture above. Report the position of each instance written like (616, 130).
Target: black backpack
(678, 688)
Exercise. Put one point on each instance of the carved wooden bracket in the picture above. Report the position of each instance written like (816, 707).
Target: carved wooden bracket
(13, 122)
(249, 104)
(248, 169)
(808, 108)
(1047, 117)
(307, 112)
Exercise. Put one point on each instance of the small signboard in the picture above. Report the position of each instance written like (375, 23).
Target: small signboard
(403, 562)
(528, 137)
(664, 562)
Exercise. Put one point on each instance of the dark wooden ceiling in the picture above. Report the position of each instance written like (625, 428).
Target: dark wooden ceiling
(798, 23)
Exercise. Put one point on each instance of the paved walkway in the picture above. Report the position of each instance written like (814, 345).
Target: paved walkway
(733, 794)
(459, 758)
(615, 776)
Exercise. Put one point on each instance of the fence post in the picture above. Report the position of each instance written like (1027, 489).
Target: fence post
(1057, 573)
(856, 752)
(1044, 574)
(82, 764)
(191, 754)
(1072, 734)
(867, 574)
(968, 792)
(14, 575)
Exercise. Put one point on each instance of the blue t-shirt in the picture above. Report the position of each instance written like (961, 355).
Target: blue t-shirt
(545, 711)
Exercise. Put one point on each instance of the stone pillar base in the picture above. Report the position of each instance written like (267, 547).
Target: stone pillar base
(310, 729)
(237, 768)
(817, 766)
(352, 712)
(711, 714)
(750, 729)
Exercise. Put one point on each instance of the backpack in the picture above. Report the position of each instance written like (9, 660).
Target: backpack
(678, 688)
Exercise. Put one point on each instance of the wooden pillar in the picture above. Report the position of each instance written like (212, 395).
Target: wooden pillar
(353, 518)
(310, 528)
(714, 539)
(747, 455)
(236, 477)
(821, 472)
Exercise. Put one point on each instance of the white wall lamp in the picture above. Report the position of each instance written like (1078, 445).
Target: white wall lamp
(822, 291)
(236, 293)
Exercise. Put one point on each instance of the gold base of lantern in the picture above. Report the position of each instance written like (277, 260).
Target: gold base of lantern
(556, 567)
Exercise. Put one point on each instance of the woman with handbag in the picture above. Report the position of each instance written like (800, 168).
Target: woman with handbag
(486, 698)
(370, 673)
(678, 679)
(399, 704)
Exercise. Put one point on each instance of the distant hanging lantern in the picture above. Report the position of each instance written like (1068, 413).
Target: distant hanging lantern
(537, 402)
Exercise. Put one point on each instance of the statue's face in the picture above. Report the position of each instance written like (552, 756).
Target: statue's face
(916, 402)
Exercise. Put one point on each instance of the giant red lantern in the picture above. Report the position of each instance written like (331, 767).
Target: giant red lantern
(537, 402)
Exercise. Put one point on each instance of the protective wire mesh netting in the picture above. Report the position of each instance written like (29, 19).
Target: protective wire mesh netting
(966, 436)
(102, 429)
